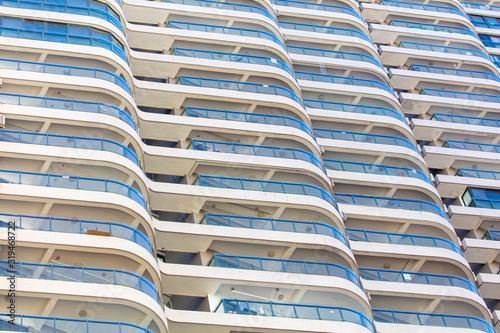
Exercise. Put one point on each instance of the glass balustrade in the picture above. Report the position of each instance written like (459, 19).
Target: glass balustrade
(333, 54)
(244, 149)
(336, 79)
(264, 223)
(250, 117)
(481, 198)
(480, 6)
(454, 71)
(284, 265)
(60, 33)
(433, 27)
(290, 310)
(225, 30)
(226, 6)
(355, 108)
(34, 270)
(364, 137)
(414, 5)
(431, 319)
(476, 173)
(68, 104)
(492, 234)
(31, 323)
(233, 57)
(318, 6)
(385, 202)
(388, 275)
(72, 182)
(69, 141)
(401, 239)
(377, 169)
(79, 7)
(484, 22)
(461, 95)
(455, 118)
(324, 30)
(264, 186)
(443, 49)
(476, 146)
(238, 86)
(76, 226)
(43, 67)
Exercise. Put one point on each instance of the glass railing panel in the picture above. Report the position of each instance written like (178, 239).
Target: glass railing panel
(476, 173)
(454, 118)
(413, 5)
(333, 54)
(480, 6)
(316, 6)
(461, 95)
(324, 30)
(252, 222)
(493, 234)
(476, 146)
(444, 49)
(454, 71)
(433, 27)
(69, 141)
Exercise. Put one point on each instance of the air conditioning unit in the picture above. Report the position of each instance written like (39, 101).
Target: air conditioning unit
(2, 121)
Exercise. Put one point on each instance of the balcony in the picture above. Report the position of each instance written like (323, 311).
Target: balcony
(226, 6)
(318, 6)
(244, 149)
(433, 27)
(443, 49)
(419, 6)
(68, 141)
(431, 319)
(401, 239)
(264, 186)
(324, 30)
(348, 80)
(238, 86)
(57, 272)
(481, 198)
(69, 105)
(290, 310)
(376, 169)
(480, 6)
(454, 118)
(309, 51)
(284, 265)
(261, 223)
(60, 33)
(77, 226)
(78, 7)
(454, 71)
(393, 203)
(484, 22)
(250, 117)
(490, 41)
(461, 95)
(475, 146)
(354, 108)
(31, 323)
(475, 173)
(233, 57)
(224, 30)
(388, 275)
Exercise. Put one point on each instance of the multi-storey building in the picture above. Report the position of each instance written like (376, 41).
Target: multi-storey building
(250, 166)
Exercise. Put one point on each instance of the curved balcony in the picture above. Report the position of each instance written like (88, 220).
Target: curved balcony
(31, 323)
(355, 108)
(233, 57)
(393, 203)
(290, 310)
(60, 33)
(225, 5)
(318, 6)
(253, 222)
(77, 226)
(461, 95)
(68, 104)
(34, 270)
(244, 149)
(377, 169)
(264, 186)
(260, 118)
(364, 137)
(238, 86)
(476, 146)
(431, 319)
(492, 234)
(284, 265)
(413, 5)
(72, 182)
(69, 141)
(433, 27)
(79, 7)
(333, 54)
(454, 71)
(455, 118)
(42, 67)
(444, 49)
(401, 239)
(224, 30)
(417, 278)
(337, 79)
(324, 30)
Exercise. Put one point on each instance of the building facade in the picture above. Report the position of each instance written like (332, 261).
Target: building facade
(250, 166)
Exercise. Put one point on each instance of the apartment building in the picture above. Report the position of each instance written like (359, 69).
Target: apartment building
(250, 166)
